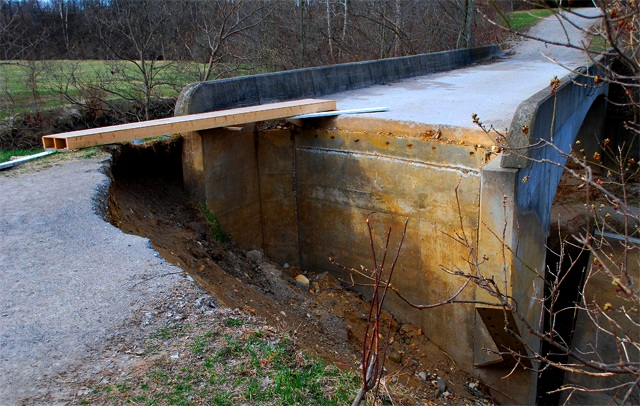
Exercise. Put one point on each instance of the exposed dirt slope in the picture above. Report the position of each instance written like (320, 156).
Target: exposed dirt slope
(147, 199)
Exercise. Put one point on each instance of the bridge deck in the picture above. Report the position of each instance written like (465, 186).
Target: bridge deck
(181, 124)
(492, 91)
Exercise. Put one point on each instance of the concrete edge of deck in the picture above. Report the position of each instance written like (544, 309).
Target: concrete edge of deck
(569, 103)
(321, 81)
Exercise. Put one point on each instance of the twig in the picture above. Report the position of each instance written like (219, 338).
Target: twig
(156, 276)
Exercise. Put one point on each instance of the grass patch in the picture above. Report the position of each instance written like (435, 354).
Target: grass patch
(244, 363)
(230, 322)
(217, 232)
(89, 153)
(521, 21)
(598, 44)
(202, 343)
(5, 155)
(268, 370)
(170, 332)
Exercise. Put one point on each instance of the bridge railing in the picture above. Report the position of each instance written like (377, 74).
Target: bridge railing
(320, 81)
(543, 126)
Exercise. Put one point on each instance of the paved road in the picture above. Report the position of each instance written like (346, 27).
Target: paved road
(493, 91)
(67, 277)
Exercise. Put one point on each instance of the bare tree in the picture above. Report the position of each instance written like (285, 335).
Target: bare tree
(134, 34)
(63, 12)
(345, 19)
(469, 13)
(376, 336)
(207, 28)
(21, 29)
(329, 30)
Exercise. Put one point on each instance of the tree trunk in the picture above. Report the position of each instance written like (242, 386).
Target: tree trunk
(397, 21)
(63, 11)
(470, 11)
(302, 35)
(346, 18)
(329, 31)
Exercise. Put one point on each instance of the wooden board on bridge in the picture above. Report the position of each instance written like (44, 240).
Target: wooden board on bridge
(181, 124)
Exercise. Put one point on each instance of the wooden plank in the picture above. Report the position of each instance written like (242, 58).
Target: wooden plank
(181, 124)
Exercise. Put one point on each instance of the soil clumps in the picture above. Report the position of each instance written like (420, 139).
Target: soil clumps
(146, 198)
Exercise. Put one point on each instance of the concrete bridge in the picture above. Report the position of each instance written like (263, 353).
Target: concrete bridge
(301, 190)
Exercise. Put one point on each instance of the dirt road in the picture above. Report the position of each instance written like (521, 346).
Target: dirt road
(68, 279)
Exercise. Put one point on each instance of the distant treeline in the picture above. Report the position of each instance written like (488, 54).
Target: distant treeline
(148, 50)
(275, 34)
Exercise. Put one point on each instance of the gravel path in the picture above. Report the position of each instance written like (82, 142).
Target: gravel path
(67, 277)
(560, 30)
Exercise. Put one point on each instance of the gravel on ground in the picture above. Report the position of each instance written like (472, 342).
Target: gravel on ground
(68, 278)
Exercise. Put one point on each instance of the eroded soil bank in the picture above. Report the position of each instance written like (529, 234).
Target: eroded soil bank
(147, 199)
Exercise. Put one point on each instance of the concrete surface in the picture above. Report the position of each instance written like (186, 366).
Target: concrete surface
(304, 197)
(308, 190)
(493, 91)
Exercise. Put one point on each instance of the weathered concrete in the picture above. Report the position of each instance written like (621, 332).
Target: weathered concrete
(553, 117)
(519, 189)
(232, 190)
(317, 184)
(276, 163)
(343, 174)
(601, 292)
(316, 82)
(306, 194)
(304, 197)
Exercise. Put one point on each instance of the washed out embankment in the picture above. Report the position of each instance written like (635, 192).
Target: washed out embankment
(147, 199)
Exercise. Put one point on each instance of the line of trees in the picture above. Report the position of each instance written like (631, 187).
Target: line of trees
(280, 34)
(154, 45)
(153, 48)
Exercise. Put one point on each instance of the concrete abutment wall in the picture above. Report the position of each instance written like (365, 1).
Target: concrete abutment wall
(303, 194)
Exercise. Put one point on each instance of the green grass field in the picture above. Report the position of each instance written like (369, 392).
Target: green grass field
(25, 85)
(523, 20)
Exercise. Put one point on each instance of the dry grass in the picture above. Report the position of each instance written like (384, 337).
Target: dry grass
(236, 359)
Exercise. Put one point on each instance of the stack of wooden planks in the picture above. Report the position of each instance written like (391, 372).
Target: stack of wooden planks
(183, 124)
